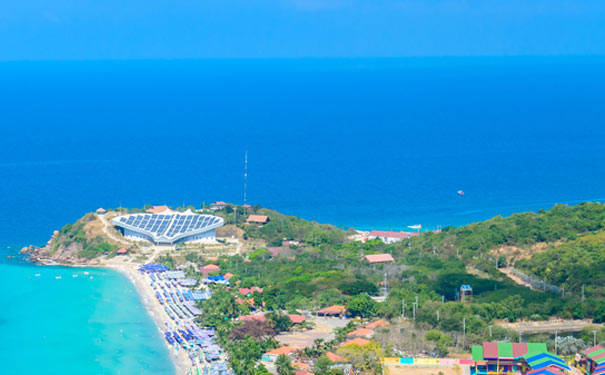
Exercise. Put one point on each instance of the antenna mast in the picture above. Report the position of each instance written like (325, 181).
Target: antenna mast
(245, 175)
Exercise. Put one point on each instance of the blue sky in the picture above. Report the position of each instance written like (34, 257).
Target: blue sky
(135, 29)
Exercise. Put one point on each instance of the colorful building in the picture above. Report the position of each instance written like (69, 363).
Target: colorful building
(592, 360)
(494, 358)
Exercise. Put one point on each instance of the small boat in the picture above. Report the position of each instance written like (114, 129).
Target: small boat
(86, 272)
(74, 275)
(37, 275)
(58, 277)
(460, 193)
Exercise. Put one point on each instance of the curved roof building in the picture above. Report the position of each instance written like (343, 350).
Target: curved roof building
(169, 227)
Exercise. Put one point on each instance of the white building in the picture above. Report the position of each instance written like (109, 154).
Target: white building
(169, 227)
(389, 237)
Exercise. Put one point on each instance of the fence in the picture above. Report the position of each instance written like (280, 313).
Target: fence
(537, 283)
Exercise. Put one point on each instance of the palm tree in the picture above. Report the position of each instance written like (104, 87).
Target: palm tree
(283, 365)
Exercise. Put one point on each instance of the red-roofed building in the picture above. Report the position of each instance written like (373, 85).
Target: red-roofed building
(379, 258)
(301, 366)
(246, 291)
(335, 310)
(258, 219)
(101, 211)
(335, 358)
(157, 209)
(228, 276)
(252, 318)
(302, 373)
(209, 268)
(272, 355)
(377, 324)
(357, 341)
(122, 251)
(276, 251)
(361, 332)
(297, 319)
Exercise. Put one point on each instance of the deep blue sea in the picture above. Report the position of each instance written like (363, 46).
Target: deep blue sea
(364, 143)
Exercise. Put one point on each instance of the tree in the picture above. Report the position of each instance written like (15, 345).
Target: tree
(284, 366)
(365, 358)
(281, 322)
(261, 370)
(322, 366)
(359, 286)
(361, 305)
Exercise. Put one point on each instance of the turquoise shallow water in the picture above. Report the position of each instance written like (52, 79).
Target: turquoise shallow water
(92, 324)
(368, 143)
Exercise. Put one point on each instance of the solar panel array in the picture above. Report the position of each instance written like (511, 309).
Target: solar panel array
(169, 225)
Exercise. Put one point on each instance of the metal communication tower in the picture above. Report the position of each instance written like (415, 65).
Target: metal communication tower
(245, 175)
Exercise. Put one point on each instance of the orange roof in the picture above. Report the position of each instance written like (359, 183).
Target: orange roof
(295, 318)
(335, 309)
(252, 318)
(302, 373)
(228, 276)
(377, 324)
(301, 365)
(358, 341)
(335, 358)
(360, 332)
(122, 251)
(258, 219)
(211, 268)
(101, 210)
(156, 209)
(246, 291)
(212, 259)
(285, 350)
(379, 258)
(219, 203)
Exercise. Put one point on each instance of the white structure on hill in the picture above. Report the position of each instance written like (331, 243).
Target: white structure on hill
(169, 227)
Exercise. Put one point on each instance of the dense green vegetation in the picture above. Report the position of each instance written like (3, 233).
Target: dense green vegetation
(90, 247)
(325, 269)
(282, 226)
(561, 222)
(575, 265)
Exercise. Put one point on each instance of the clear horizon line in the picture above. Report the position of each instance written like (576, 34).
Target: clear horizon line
(292, 58)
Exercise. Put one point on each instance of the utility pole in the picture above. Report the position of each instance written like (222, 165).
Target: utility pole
(490, 331)
(464, 327)
(594, 338)
(437, 315)
(416, 301)
(433, 249)
(442, 298)
(520, 334)
(582, 293)
(414, 311)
